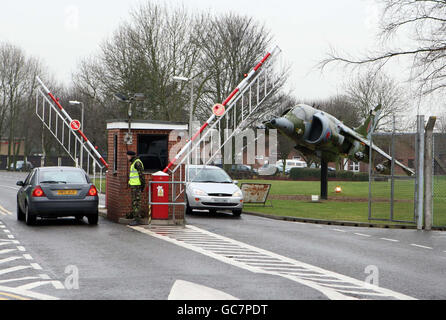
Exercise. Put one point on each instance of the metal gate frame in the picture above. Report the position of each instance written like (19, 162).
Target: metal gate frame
(418, 177)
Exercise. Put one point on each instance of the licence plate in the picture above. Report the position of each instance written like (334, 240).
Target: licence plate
(221, 200)
(66, 192)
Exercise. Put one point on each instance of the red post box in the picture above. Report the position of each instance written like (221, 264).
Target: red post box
(160, 193)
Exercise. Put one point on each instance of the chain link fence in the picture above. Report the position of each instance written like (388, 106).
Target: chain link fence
(439, 180)
(392, 196)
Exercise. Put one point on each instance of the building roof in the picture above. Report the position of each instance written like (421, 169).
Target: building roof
(146, 124)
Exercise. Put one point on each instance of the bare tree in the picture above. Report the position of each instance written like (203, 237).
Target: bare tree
(143, 56)
(424, 21)
(368, 90)
(17, 82)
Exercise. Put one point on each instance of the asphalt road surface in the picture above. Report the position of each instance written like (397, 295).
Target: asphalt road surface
(216, 256)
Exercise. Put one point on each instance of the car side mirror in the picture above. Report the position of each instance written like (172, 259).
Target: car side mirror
(235, 182)
(20, 183)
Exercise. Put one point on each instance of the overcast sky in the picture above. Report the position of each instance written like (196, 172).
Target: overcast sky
(63, 32)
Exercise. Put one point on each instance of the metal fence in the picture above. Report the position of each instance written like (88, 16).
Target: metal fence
(394, 197)
(439, 180)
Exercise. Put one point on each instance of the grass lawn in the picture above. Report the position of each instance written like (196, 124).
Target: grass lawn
(348, 210)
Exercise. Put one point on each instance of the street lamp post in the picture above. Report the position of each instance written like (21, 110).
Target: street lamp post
(136, 97)
(74, 102)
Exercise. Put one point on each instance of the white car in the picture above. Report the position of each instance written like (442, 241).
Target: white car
(290, 164)
(211, 188)
(21, 166)
(267, 170)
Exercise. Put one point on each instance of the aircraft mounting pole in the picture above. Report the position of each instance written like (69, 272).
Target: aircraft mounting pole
(324, 179)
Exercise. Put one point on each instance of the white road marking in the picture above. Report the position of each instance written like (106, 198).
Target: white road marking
(24, 290)
(7, 241)
(9, 259)
(392, 240)
(32, 285)
(297, 271)
(7, 251)
(362, 235)
(13, 269)
(420, 246)
(185, 290)
(36, 266)
(338, 230)
(18, 279)
(27, 293)
(3, 210)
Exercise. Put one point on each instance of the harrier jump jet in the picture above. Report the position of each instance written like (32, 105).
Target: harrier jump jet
(317, 133)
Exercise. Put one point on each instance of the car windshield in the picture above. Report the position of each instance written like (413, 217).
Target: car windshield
(209, 175)
(62, 176)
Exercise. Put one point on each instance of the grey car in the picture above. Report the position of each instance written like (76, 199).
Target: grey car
(211, 188)
(50, 192)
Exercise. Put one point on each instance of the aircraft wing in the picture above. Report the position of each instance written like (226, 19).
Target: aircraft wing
(346, 130)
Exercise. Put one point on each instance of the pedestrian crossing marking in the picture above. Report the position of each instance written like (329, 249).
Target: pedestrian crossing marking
(18, 277)
(5, 212)
(333, 285)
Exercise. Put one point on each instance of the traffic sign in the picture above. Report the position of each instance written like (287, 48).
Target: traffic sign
(75, 125)
(218, 109)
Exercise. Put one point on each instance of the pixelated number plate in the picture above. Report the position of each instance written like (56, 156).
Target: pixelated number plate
(66, 192)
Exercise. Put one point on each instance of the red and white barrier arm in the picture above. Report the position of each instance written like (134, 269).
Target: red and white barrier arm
(69, 119)
(239, 88)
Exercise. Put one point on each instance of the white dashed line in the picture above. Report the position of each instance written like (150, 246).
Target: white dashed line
(362, 235)
(21, 248)
(10, 236)
(338, 230)
(27, 257)
(392, 240)
(420, 246)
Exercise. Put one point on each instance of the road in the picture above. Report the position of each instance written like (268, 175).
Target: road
(215, 255)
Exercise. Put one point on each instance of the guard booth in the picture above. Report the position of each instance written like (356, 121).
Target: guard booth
(153, 142)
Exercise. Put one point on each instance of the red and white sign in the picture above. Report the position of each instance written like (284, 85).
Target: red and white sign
(218, 109)
(75, 125)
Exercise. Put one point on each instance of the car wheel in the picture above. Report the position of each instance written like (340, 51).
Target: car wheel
(20, 213)
(30, 219)
(237, 212)
(93, 218)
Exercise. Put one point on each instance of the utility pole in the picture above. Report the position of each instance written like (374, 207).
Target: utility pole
(420, 171)
(428, 171)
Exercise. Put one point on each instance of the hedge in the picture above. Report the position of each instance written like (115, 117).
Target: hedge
(299, 173)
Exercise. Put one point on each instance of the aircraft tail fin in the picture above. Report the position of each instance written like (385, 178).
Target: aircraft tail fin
(370, 122)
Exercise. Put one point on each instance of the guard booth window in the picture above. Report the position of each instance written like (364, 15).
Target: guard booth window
(152, 150)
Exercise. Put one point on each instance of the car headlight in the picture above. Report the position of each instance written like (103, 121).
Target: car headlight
(237, 194)
(199, 192)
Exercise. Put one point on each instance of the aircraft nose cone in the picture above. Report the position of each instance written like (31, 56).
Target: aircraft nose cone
(283, 124)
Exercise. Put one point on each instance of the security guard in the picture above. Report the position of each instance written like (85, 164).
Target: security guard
(137, 184)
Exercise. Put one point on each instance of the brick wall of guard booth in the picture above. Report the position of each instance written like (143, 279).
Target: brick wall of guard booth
(118, 199)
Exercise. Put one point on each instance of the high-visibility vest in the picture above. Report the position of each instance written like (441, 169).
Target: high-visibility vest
(134, 179)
